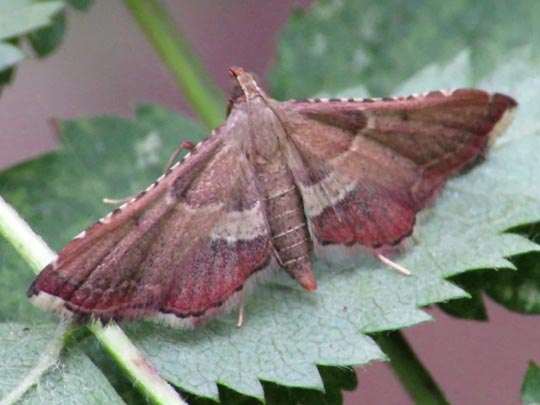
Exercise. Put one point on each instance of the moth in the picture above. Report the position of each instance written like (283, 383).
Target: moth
(274, 185)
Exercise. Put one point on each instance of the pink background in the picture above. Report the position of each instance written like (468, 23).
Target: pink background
(105, 65)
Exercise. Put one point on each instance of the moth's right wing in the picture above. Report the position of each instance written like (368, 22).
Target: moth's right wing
(365, 167)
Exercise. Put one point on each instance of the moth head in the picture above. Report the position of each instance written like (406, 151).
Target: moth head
(244, 84)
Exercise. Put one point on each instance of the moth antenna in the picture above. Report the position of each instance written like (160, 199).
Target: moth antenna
(393, 264)
(116, 201)
(187, 145)
(240, 321)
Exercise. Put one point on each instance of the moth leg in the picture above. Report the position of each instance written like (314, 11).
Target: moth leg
(115, 201)
(240, 321)
(393, 265)
(187, 145)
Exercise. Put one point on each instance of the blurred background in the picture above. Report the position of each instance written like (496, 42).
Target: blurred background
(105, 65)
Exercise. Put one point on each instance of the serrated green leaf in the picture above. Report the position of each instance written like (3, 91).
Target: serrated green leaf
(73, 380)
(518, 291)
(530, 391)
(471, 307)
(335, 380)
(288, 331)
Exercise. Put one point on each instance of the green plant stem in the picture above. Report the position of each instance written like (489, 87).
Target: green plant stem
(412, 374)
(37, 254)
(177, 56)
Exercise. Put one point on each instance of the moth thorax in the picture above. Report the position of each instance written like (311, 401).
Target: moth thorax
(267, 149)
(266, 139)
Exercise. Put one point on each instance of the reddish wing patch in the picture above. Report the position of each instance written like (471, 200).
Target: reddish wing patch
(368, 215)
(236, 247)
(219, 270)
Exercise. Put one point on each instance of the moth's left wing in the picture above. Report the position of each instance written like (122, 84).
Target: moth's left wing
(365, 167)
(182, 251)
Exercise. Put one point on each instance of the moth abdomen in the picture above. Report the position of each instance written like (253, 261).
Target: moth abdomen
(286, 219)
